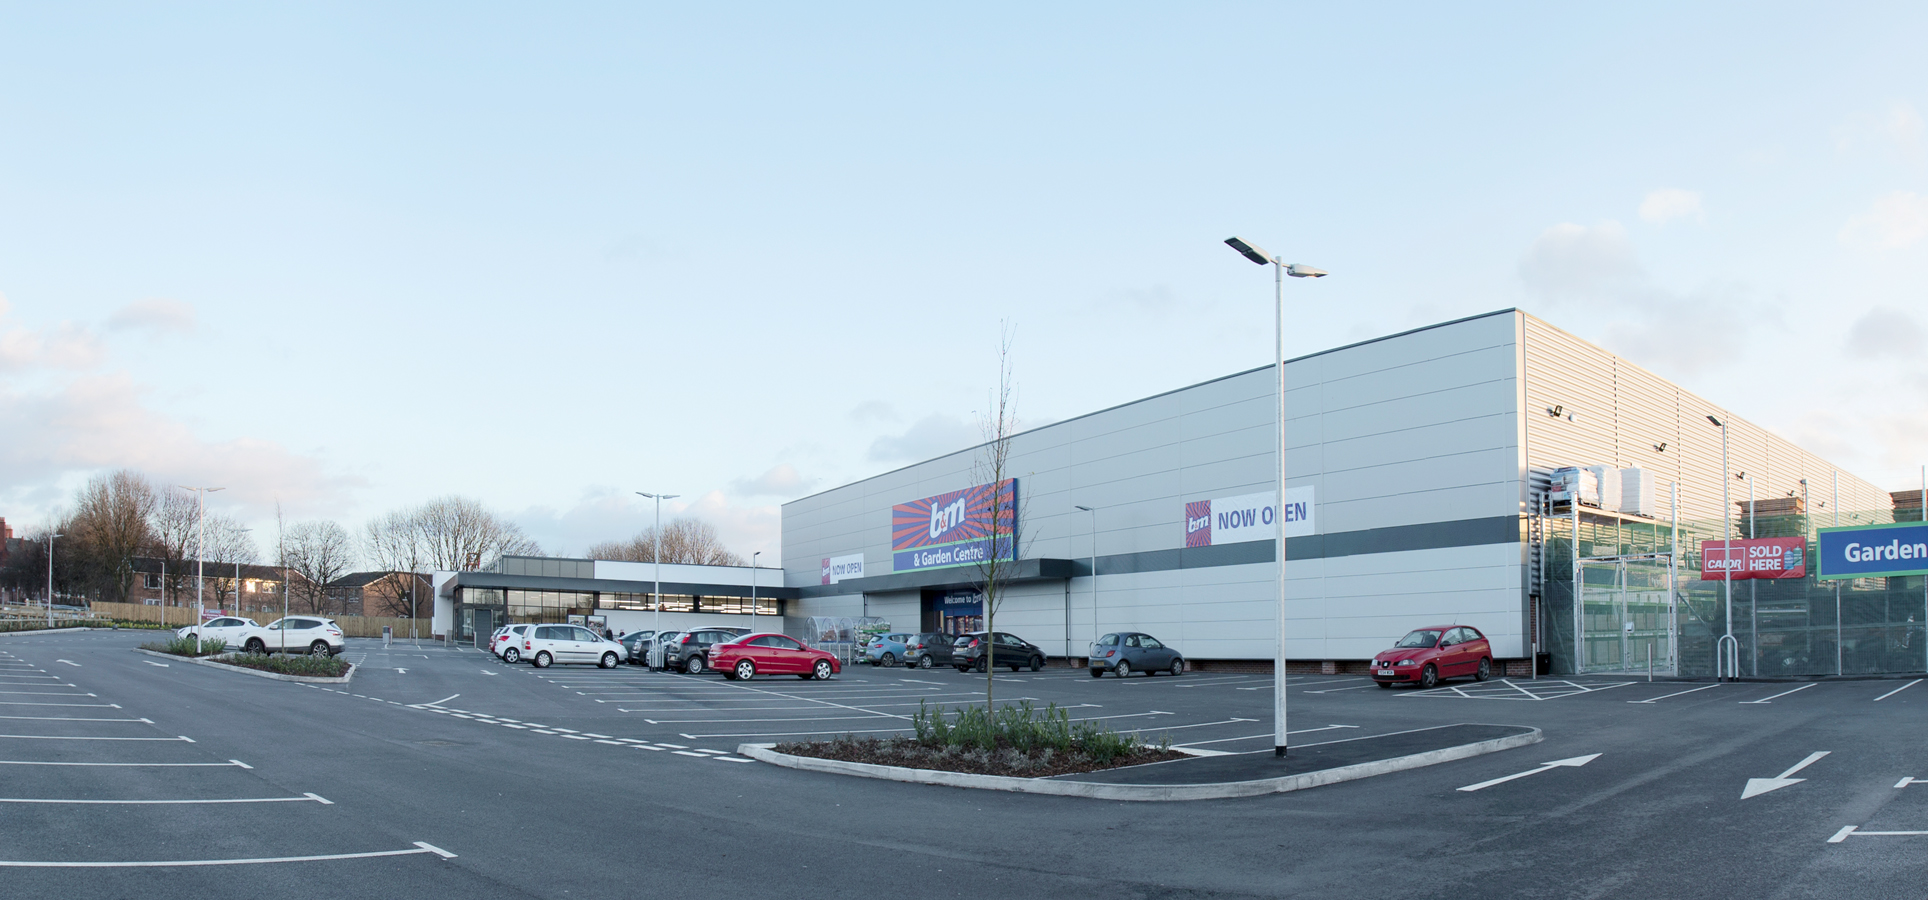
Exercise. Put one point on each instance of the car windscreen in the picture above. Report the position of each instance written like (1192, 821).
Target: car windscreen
(1418, 640)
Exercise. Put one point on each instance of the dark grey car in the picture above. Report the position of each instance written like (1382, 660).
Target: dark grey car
(927, 649)
(636, 646)
(691, 652)
(971, 651)
(1134, 651)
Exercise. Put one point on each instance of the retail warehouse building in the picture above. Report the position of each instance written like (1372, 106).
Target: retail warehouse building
(1420, 491)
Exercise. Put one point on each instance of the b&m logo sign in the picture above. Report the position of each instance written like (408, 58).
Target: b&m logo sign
(1248, 517)
(955, 529)
(1873, 551)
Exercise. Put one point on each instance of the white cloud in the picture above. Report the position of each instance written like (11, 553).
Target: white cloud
(64, 346)
(1667, 204)
(930, 436)
(611, 514)
(1895, 220)
(1571, 261)
(780, 481)
(1884, 332)
(155, 315)
(1899, 129)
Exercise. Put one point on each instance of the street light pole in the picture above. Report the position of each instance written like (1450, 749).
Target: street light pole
(1727, 543)
(753, 557)
(50, 578)
(1094, 587)
(1280, 270)
(200, 557)
(656, 556)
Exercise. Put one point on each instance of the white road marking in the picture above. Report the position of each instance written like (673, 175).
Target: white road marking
(68, 662)
(1897, 690)
(89, 705)
(307, 798)
(58, 693)
(171, 863)
(57, 737)
(153, 663)
(1851, 830)
(1908, 781)
(405, 672)
(1265, 735)
(1777, 696)
(22, 762)
(71, 719)
(1177, 727)
(1547, 767)
(441, 701)
(1758, 786)
(1676, 694)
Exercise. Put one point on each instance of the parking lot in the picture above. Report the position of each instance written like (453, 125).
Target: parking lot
(446, 768)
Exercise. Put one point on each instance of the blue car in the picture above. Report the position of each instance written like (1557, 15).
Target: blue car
(886, 649)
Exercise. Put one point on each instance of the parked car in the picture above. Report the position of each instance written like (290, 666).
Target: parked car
(1134, 651)
(886, 649)
(969, 651)
(546, 645)
(746, 657)
(507, 642)
(1426, 655)
(655, 647)
(927, 649)
(636, 646)
(232, 630)
(313, 635)
(691, 650)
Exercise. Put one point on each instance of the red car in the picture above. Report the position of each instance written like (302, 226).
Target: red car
(1426, 655)
(771, 654)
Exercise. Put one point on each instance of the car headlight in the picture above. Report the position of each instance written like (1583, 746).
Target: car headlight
(1407, 662)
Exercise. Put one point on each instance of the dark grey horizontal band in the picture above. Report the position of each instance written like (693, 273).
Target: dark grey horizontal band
(612, 586)
(1390, 539)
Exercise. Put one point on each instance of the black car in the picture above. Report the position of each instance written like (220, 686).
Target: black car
(927, 649)
(969, 651)
(691, 651)
(636, 646)
(1132, 651)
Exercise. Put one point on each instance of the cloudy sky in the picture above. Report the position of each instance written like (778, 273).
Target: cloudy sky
(348, 258)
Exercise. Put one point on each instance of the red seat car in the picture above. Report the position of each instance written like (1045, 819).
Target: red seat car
(1426, 655)
(771, 654)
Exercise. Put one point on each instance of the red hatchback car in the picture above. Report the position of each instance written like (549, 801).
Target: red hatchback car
(1426, 655)
(771, 654)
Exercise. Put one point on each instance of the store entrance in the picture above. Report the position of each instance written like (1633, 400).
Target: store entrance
(952, 612)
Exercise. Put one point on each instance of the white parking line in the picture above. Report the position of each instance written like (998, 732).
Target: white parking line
(308, 798)
(70, 719)
(1897, 690)
(262, 860)
(797, 733)
(60, 737)
(1676, 694)
(91, 705)
(48, 693)
(232, 763)
(1781, 694)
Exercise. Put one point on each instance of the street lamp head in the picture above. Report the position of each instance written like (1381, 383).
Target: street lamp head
(1297, 270)
(1251, 251)
(1717, 422)
(658, 496)
(1085, 508)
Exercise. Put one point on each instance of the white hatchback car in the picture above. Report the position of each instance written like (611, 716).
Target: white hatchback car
(507, 643)
(545, 645)
(232, 630)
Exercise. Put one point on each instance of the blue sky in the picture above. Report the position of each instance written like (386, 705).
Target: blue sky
(349, 258)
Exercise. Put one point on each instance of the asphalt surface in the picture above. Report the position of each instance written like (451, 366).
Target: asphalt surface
(469, 775)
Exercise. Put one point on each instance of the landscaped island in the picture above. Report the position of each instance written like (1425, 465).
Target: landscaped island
(1021, 741)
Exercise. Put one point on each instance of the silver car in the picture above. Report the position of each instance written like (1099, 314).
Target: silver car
(546, 645)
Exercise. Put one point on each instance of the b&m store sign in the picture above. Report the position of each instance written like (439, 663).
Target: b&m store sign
(955, 529)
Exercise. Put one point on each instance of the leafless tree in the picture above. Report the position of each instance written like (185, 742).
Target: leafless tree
(396, 543)
(460, 533)
(227, 543)
(685, 540)
(319, 552)
(172, 526)
(110, 528)
(992, 467)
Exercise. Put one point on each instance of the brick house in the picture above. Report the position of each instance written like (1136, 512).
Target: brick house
(261, 586)
(379, 593)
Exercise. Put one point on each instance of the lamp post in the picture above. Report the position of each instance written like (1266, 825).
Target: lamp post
(1280, 270)
(753, 557)
(50, 578)
(237, 577)
(1094, 587)
(1727, 543)
(657, 557)
(200, 557)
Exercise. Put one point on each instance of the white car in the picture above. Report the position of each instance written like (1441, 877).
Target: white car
(546, 645)
(231, 630)
(507, 642)
(314, 635)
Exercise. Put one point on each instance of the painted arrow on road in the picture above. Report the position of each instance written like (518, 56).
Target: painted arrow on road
(1548, 767)
(1758, 786)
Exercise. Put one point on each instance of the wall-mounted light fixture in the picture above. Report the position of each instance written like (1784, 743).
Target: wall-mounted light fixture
(1660, 447)
(1556, 411)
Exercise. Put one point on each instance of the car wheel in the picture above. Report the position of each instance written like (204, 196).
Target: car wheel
(745, 670)
(1429, 677)
(693, 665)
(319, 648)
(1178, 668)
(982, 666)
(1097, 673)
(255, 645)
(543, 659)
(609, 661)
(1037, 663)
(512, 655)
(925, 662)
(1123, 669)
(1485, 670)
(821, 670)
(890, 660)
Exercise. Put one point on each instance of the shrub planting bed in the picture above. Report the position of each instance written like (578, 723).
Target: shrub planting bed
(1020, 741)
(185, 646)
(313, 666)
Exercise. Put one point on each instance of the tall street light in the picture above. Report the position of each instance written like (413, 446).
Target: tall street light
(657, 556)
(50, 578)
(753, 557)
(200, 557)
(1280, 269)
(1094, 586)
(1726, 547)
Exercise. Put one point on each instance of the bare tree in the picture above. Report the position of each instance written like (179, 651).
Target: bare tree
(319, 552)
(997, 566)
(686, 540)
(110, 528)
(228, 544)
(172, 526)
(396, 543)
(460, 533)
